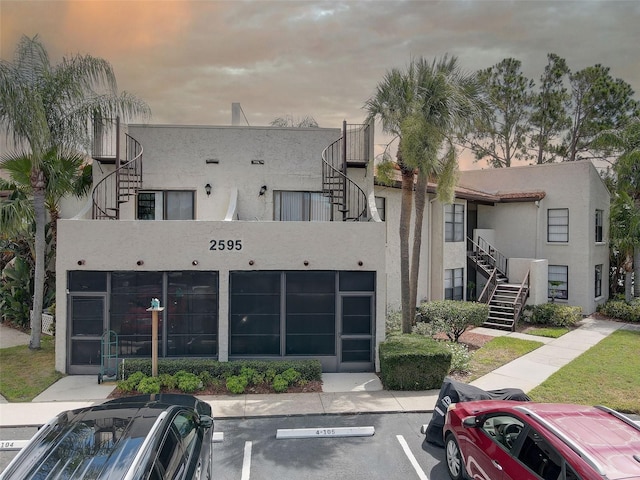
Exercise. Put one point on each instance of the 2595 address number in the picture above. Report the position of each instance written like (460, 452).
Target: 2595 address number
(221, 245)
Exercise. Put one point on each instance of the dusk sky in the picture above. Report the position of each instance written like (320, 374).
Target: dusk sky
(189, 60)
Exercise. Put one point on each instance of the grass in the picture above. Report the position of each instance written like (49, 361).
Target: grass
(496, 353)
(606, 374)
(26, 373)
(550, 332)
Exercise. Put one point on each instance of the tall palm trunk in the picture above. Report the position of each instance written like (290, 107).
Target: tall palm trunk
(420, 202)
(38, 185)
(405, 230)
(636, 271)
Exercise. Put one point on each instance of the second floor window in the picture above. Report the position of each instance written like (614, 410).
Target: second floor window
(599, 222)
(165, 205)
(558, 225)
(301, 206)
(454, 222)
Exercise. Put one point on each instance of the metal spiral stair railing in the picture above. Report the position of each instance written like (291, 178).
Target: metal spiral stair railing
(342, 192)
(121, 184)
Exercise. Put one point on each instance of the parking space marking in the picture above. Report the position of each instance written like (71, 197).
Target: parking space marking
(246, 462)
(217, 437)
(13, 444)
(412, 459)
(286, 433)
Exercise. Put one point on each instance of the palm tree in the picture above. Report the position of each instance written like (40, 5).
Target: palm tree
(47, 110)
(424, 107)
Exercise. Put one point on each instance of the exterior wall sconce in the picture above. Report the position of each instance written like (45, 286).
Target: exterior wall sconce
(194, 263)
(263, 190)
(360, 263)
(140, 262)
(207, 188)
(80, 262)
(306, 263)
(251, 262)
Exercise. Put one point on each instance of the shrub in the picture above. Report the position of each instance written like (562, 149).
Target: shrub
(132, 382)
(552, 314)
(393, 322)
(453, 317)
(460, 357)
(413, 362)
(188, 382)
(280, 384)
(290, 375)
(237, 384)
(621, 310)
(168, 381)
(149, 385)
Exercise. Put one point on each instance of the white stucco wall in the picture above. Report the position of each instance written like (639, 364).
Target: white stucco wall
(521, 228)
(174, 245)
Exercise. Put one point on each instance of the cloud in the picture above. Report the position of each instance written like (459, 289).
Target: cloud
(191, 59)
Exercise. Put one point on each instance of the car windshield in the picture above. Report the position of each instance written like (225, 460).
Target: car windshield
(98, 447)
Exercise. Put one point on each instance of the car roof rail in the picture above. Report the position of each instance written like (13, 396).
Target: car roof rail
(570, 443)
(146, 445)
(619, 416)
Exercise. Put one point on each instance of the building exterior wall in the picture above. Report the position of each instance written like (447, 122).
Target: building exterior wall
(521, 228)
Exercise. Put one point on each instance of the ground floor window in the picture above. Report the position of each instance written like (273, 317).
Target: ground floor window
(453, 284)
(558, 282)
(296, 313)
(598, 282)
(118, 301)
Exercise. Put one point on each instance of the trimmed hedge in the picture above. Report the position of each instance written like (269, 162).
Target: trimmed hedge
(413, 362)
(309, 370)
(621, 310)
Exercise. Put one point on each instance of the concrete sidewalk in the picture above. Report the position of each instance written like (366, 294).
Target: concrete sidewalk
(342, 393)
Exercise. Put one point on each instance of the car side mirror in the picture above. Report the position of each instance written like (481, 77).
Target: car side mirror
(470, 422)
(205, 421)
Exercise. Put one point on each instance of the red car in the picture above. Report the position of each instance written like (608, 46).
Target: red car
(507, 440)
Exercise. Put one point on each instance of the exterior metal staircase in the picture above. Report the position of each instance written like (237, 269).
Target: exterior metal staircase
(351, 150)
(506, 300)
(124, 182)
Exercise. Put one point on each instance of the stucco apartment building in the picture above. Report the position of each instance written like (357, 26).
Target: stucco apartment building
(277, 243)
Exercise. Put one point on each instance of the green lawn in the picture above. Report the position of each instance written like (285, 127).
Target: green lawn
(550, 332)
(496, 353)
(606, 374)
(26, 373)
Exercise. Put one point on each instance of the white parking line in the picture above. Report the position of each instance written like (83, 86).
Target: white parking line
(13, 444)
(246, 462)
(412, 459)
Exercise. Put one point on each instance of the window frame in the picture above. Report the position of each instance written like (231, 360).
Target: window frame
(598, 281)
(451, 276)
(307, 201)
(565, 268)
(561, 228)
(599, 231)
(162, 197)
(454, 222)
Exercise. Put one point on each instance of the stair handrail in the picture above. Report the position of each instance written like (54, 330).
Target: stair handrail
(495, 257)
(107, 192)
(334, 166)
(518, 302)
(490, 287)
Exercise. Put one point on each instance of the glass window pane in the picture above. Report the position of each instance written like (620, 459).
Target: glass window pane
(254, 313)
(179, 205)
(356, 350)
(147, 206)
(357, 281)
(320, 208)
(310, 282)
(558, 225)
(87, 317)
(558, 278)
(84, 281)
(316, 345)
